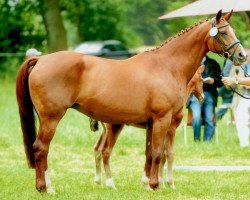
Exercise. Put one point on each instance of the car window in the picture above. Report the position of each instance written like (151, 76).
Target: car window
(110, 47)
(120, 47)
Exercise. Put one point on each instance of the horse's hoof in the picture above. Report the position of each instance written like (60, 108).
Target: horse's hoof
(163, 185)
(110, 183)
(154, 184)
(147, 187)
(41, 189)
(145, 180)
(40, 186)
(51, 191)
(171, 185)
(98, 180)
(161, 182)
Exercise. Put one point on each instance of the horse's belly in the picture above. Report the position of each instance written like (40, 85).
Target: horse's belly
(113, 114)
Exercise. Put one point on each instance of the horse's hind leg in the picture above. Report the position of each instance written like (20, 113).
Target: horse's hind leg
(47, 129)
(113, 131)
(148, 162)
(170, 156)
(170, 147)
(98, 154)
(163, 161)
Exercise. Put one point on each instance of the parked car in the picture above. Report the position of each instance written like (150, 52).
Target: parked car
(107, 49)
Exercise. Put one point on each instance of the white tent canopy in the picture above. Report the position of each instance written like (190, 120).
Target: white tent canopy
(206, 7)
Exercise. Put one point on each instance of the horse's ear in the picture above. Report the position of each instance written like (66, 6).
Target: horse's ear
(218, 15)
(201, 68)
(228, 15)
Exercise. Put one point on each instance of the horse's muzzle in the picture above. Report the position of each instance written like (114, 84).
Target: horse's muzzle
(240, 56)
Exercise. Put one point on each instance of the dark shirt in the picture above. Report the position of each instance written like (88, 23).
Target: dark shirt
(212, 69)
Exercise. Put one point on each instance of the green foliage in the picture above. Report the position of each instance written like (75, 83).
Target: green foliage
(96, 20)
(142, 20)
(241, 29)
(129, 21)
(21, 28)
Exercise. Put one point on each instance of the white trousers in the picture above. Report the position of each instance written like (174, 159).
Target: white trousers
(242, 121)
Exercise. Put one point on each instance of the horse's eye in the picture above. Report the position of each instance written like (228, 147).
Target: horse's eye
(223, 33)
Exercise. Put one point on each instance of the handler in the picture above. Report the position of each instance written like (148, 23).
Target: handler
(242, 108)
(229, 81)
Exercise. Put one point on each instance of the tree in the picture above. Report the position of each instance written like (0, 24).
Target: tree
(96, 20)
(56, 34)
(21, 26)
(142, 18)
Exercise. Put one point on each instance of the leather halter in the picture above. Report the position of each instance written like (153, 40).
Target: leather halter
(225, 48)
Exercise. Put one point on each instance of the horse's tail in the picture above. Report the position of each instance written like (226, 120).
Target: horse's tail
(94, 126)
(26, 111)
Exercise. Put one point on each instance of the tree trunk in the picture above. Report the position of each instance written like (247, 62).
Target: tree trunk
(56, 34)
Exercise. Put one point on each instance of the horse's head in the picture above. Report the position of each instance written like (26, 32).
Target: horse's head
(222, 39)
(195, 85)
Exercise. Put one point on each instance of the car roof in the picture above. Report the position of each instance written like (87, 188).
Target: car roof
(102, 42)
(93, 47)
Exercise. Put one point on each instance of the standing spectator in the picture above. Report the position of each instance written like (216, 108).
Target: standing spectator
(32, 52)
(225, 92)
(212, 80)
(241, 106)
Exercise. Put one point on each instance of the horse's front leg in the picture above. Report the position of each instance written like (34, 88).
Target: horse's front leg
(98, 154)
(113, 131)
(159, 131)
(41, 149)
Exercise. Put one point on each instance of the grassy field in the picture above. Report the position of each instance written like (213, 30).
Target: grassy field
(71, 162)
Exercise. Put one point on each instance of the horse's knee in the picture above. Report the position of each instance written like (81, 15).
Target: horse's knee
(156, 156)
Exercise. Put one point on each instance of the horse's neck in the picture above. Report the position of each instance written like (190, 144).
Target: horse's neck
(185, 52)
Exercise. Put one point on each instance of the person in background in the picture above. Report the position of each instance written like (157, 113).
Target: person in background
(242, 106)
(212, 80)
(32, 52)
(225, 92)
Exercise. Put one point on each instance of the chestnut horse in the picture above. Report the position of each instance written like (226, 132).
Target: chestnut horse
(147, 88)
(107, 140)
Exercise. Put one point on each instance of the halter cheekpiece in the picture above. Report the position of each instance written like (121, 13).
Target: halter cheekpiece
(214, 32)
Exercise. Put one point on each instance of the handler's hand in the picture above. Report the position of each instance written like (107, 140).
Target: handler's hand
(228, 81)
(208, 80)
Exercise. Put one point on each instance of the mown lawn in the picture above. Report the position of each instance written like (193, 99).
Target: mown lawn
(71, 162)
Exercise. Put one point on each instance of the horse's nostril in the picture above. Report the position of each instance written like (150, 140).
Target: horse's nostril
(241, 55)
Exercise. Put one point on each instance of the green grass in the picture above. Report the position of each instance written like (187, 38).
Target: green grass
(71, 162)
